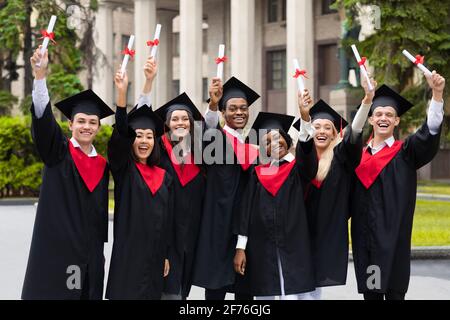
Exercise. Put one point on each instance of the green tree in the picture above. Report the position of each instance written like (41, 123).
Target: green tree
(421, 27)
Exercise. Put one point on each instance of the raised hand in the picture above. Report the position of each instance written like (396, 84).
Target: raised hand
(369, 95)
(215, 93)
(41, 71)
(437, 84)
(305, 103)
(121, 83)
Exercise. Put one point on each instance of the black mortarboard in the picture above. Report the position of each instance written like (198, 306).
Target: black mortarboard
(182, 102)
(145, 118)
(270, 121)
(386, 97)
(84, 102)
(234, 88)
(321, 110)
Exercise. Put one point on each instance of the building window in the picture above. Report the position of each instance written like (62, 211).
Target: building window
(272, 11)
(176, 44)
(329, 68)
(205, 89)
(276, 10)
(176, 88)
(276, 70)
(205, 40)
(326, 7)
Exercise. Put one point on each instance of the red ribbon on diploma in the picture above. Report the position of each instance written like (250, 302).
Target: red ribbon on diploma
(220, 60)
(419, 59)
(50, 35)
(129, 52)
(363, 62)
(153, 43)
(299, 73)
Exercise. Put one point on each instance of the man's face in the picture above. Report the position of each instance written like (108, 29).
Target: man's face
(236, 113)
(84, 127)
(384, 120)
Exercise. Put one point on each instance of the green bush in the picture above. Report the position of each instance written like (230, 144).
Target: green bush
(20, 166)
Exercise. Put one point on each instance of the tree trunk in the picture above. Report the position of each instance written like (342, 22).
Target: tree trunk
(27, 50)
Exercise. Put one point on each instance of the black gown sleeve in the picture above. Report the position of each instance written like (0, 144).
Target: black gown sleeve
(170, 222)
(306, 158)
(246, 206)
(421, 147)
(50, 142)
(349, 151)
(119, 145)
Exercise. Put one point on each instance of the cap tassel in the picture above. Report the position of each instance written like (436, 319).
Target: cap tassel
(341, 129)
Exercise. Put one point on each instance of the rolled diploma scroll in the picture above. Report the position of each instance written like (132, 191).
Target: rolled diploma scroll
(127, 56)
(157, 34)
(50, 27)
(300, 83)
(419, 65)
(220, 65)
(362, 67)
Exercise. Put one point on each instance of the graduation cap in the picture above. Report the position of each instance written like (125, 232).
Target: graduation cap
(145, 118)
(182, 102)
(235, 88)
(272, 121)
(386, 97)
(84, 102)
(321, 110)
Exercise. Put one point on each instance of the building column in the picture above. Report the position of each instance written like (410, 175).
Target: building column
(191, 49)
(243, 40)
(163, 89)
(300, 45)
(104, 75)
(144, 30)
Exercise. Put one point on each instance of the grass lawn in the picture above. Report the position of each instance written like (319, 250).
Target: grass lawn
(431, 223)
(433, 187)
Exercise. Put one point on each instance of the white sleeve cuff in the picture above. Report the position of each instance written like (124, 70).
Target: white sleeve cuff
(145, 99)
(40, 97)
(211, 118)
(306, 131)
(435, 116)
(242, 242)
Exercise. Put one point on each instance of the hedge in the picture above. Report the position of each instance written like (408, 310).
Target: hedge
(20, 166)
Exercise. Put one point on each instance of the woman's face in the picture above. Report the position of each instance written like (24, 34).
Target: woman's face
(276, 146)
(325, 133)
(143, 144)
(179, 123)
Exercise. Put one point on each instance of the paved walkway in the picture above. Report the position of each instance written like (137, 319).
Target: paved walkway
(430, 279)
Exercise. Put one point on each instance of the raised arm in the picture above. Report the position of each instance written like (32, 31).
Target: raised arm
(305, 154)
(349, 151)
(122, 138)
(48, 137)
(215, 94)
(150, 71)
(422, 146)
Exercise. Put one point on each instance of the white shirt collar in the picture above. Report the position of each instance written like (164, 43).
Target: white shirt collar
(388, 142)
(75, 143)
(234, 133)
(289, 158)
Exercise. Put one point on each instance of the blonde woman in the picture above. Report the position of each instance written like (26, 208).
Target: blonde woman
(327, 197)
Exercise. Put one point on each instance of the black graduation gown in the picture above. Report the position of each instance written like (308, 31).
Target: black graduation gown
(187, 210)
(142, 223)
(328, 210)
(280, 223)
(382, 216)
(71, 222)
(225, 185)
